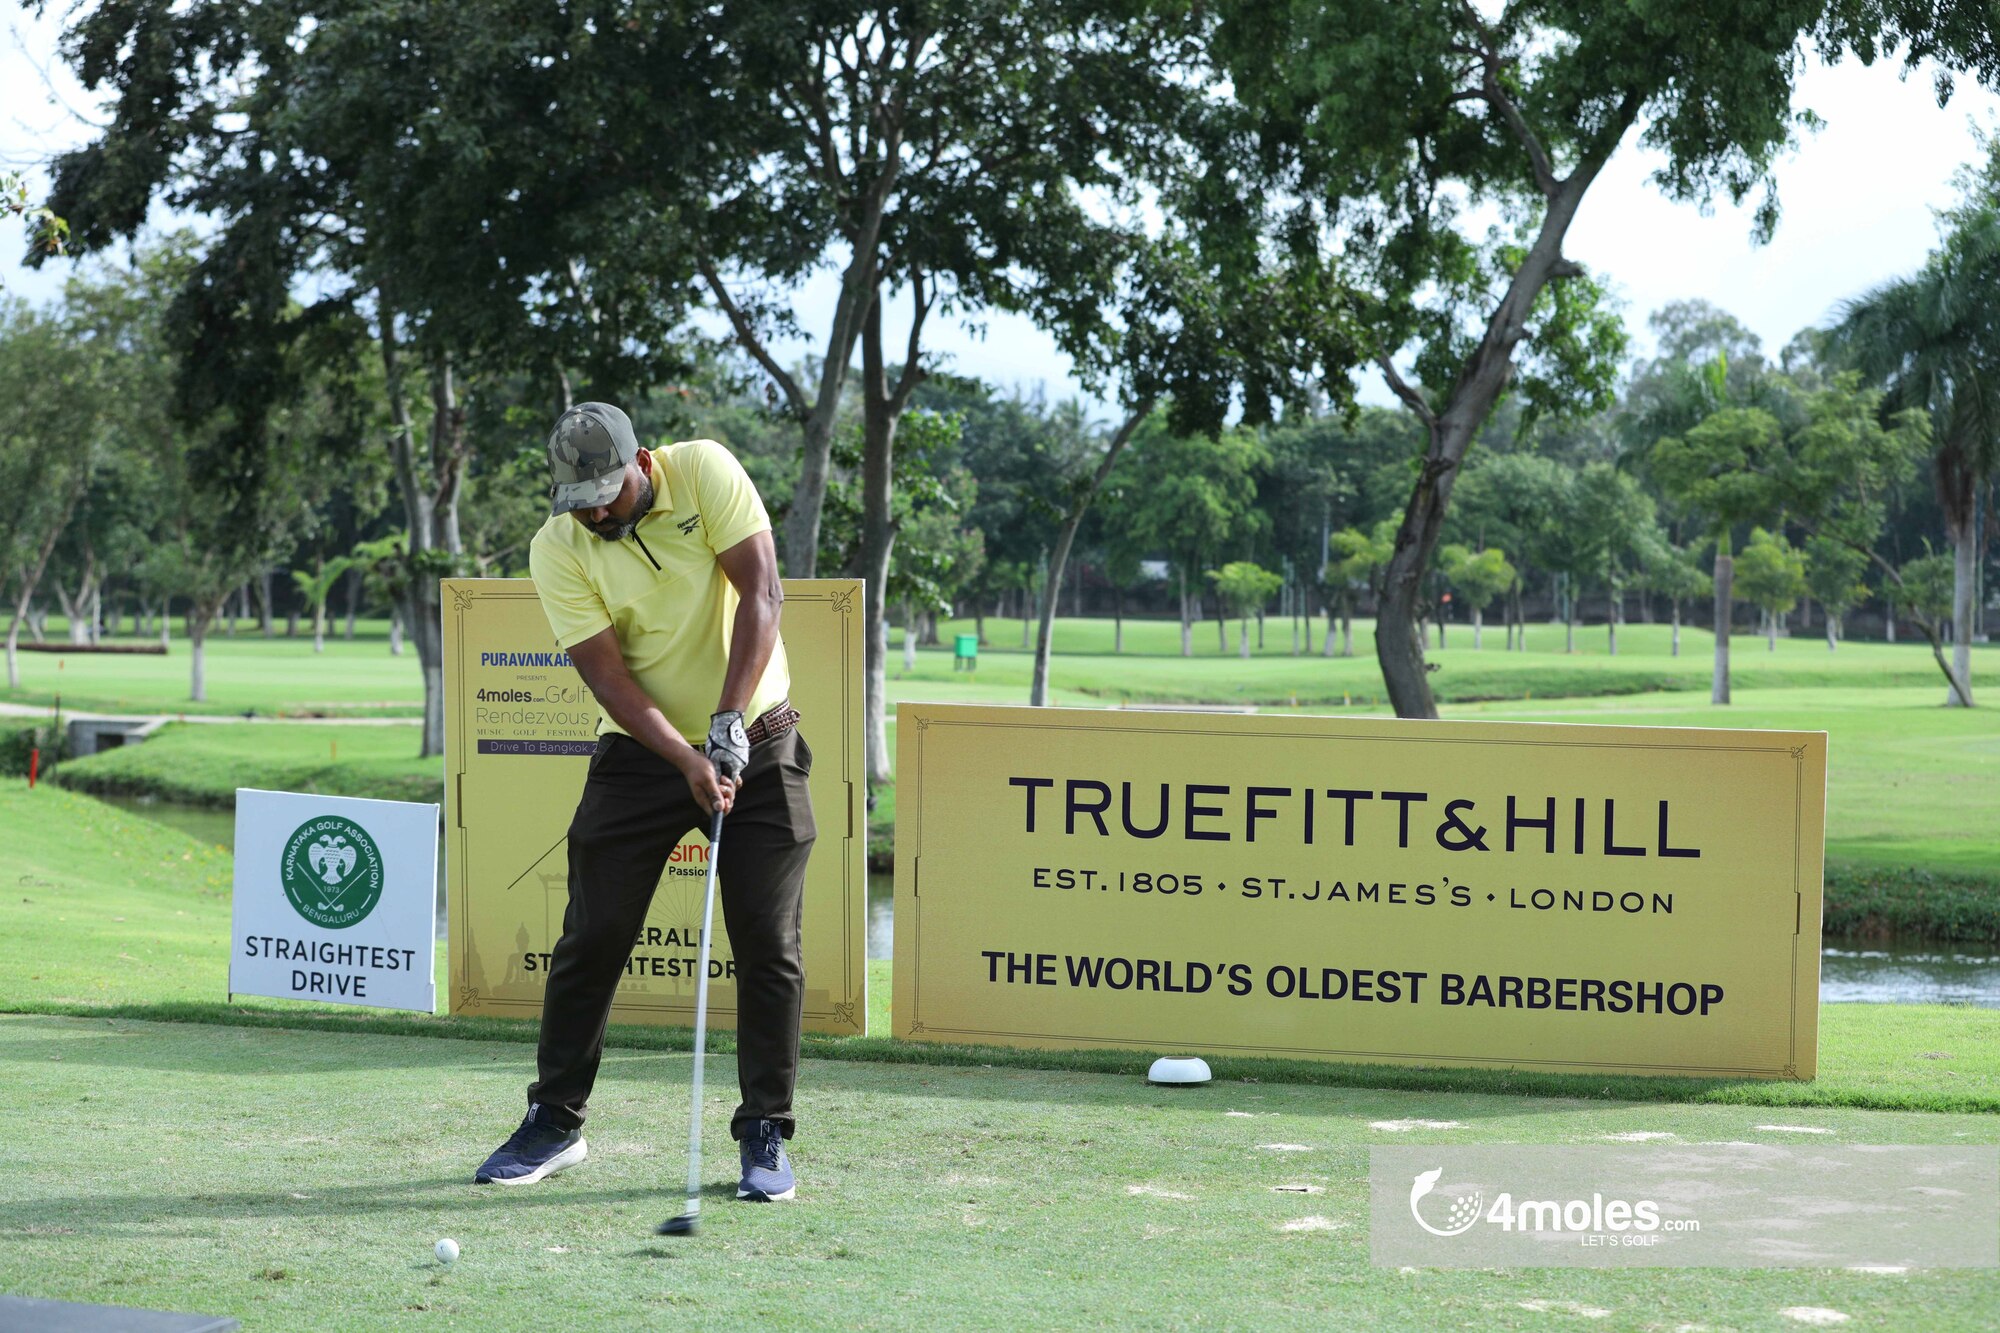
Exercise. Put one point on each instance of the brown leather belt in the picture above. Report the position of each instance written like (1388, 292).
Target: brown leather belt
(775, 721)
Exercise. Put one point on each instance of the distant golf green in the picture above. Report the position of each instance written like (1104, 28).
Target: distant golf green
(284, 676)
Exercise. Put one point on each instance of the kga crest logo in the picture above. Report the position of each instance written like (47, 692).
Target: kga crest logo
(332, 871)
(1463, 1214)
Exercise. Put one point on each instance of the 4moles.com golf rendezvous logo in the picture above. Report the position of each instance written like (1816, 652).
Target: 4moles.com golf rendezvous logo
(1595, 1221)
(331, 871)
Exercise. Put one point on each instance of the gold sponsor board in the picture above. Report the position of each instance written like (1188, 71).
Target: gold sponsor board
(519, 731)
(1586, 898)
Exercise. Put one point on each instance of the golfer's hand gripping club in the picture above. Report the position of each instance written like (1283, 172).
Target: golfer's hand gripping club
(728, 744)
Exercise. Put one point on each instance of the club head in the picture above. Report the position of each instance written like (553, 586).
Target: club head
(684, 1225)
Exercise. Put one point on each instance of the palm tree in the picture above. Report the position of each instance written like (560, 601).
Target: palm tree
(1931, 339)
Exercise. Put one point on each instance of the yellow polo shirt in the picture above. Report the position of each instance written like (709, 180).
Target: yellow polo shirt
(673, 622)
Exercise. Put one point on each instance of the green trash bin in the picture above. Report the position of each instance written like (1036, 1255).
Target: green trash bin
(965, 652)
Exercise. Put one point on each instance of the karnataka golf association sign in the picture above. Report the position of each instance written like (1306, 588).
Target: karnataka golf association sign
(335, 900)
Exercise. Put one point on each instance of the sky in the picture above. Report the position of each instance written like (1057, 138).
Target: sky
(1859, 201)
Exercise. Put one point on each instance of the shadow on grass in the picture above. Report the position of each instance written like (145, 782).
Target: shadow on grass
(890, 1051)
(123, 1214)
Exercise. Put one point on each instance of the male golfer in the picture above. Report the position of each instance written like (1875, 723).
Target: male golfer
(657, 572)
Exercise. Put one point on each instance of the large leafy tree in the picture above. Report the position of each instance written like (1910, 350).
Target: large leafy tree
(1718, 472)
(1392, 130)
(928, 153)
(939, 156)
(1771, 574)
(1933, 340)
(1829, 474)
(50, 439)
(435, 175)
(1189, 498)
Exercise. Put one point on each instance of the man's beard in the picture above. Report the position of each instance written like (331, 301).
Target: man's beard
(642, 505)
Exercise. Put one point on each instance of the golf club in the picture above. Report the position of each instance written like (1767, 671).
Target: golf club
(685, 1224)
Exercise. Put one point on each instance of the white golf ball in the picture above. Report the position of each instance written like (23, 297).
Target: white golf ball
(447, 1250)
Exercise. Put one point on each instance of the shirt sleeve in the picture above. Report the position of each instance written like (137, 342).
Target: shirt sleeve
(730, 507)
(574, 609)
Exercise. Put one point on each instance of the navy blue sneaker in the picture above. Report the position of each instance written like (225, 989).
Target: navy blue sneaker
(535, 1150)
(767, 1172)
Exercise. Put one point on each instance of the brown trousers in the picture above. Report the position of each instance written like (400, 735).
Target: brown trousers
(635, 808)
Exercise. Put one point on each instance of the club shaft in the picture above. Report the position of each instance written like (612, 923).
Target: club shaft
(701, 1019)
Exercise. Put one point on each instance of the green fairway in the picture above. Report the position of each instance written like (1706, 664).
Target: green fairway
(324, 1166)
(246, 674)
(1152, 670)
(203, 763)
(1905, 854)
(285, 677)
(116, 914)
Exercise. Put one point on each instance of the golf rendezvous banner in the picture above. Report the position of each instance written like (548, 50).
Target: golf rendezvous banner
(519, 730)
(1585, 898)
(335, 900)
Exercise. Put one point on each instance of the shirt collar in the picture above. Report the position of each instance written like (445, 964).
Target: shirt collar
(663, 495)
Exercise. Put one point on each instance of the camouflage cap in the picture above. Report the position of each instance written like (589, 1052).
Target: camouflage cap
(588, 451)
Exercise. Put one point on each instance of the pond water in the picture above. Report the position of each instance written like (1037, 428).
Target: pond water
(1850, 970)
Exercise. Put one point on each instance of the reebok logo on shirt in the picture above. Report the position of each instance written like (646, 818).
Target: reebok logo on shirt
(689, 524)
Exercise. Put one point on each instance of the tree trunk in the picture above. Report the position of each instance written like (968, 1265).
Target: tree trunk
(1611, 624)
(396, 630)
(1118, 620)
(1725, 582)
(31, 576)
(1346, 631)
(1187, 619)
(1569, 626)
(353, 599)
(817, 415)
(264, 601)
(1964, 572)
(882, 406)
(1243, 638)
(1771, 631)
(1831, 628)
(76, 610)
(166, 620)
(881, 414)
(1889, 621)
(430, 488)
(1477, 627)
(200, 616)
(909, 641)
(319, 606)
(1221, 627)
(1676, 649)
(1038, 689)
